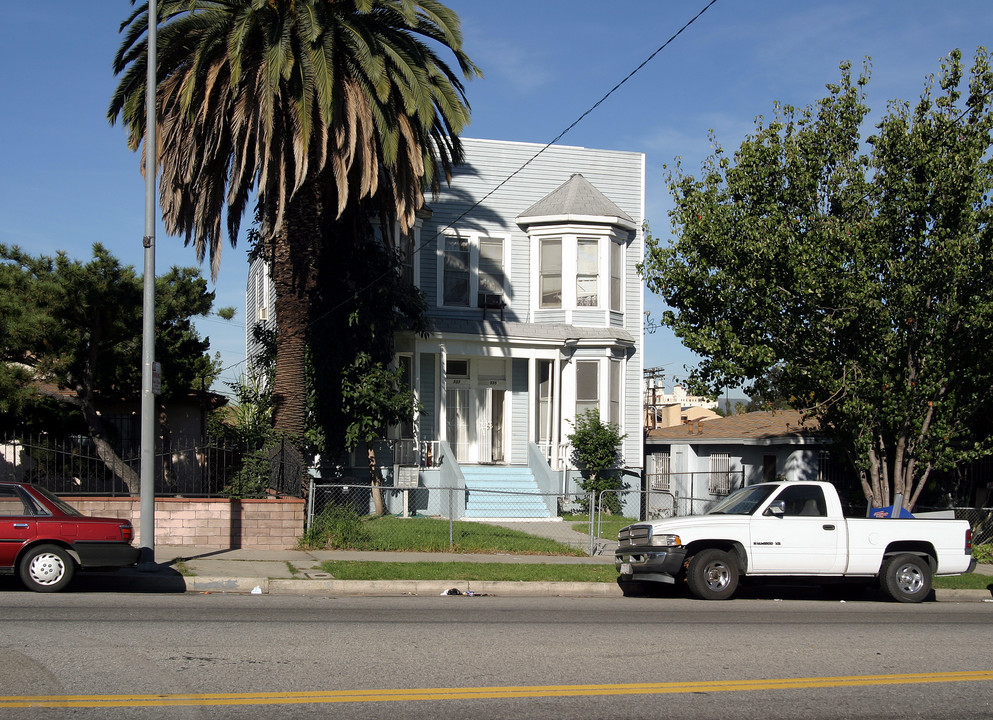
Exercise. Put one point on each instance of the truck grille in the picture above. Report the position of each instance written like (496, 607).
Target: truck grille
(634, 535)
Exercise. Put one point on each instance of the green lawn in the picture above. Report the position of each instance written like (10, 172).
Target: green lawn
(513, 572)
(970, 581)
(424, 534)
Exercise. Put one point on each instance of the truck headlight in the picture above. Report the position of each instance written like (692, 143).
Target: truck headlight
(666, 540)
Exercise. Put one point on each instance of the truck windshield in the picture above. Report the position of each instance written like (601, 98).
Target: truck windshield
(743, 501)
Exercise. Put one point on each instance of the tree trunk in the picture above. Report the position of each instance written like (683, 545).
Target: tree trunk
(377, 491)
(295, 276)
(98, 434)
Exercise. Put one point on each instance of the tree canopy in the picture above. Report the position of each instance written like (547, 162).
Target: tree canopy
(71, 326)
(852, 269)
(332, 112)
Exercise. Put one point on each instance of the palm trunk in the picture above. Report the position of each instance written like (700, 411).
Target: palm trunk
(295, 276)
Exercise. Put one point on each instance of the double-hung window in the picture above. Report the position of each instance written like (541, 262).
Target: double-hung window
(456, 271)
(616, 276)
(587, 272)
(587, 385)
(550, 272)
(473, 270)
(491, 277)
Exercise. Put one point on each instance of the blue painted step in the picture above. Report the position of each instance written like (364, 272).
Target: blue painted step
(502, 492)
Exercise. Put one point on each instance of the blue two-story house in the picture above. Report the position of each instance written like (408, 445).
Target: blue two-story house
(528, 262)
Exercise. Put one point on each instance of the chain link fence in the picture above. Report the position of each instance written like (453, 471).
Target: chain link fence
(363, 516)
(980, 519)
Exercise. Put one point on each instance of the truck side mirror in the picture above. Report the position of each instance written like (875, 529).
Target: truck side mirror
(776, 509)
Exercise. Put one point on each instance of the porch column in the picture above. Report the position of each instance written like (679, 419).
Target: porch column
(442, 394)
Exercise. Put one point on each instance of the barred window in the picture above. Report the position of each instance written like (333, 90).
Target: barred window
(720, 474)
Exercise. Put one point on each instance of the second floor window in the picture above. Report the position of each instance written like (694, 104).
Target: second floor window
(616, 276)
(456, 280)
(473, 271)
(490, 271)
(550, 272)
(406, 247)
(587, 272)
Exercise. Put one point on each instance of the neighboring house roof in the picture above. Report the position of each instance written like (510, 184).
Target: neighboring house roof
(695, 412)
(754, 428)
(576, 200)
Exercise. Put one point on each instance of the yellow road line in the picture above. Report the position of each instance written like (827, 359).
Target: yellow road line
(481, 693)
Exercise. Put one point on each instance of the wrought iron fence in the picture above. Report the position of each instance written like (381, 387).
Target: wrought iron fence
(73, 466)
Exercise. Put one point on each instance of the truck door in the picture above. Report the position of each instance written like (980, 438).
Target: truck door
(800, 540)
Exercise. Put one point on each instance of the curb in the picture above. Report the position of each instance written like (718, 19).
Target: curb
(280, 586)
(289, 586)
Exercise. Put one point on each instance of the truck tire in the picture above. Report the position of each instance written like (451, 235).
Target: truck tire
(906, 578)
(712, 575)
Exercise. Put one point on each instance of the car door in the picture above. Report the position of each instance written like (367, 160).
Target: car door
(17, 524)
(799, 540)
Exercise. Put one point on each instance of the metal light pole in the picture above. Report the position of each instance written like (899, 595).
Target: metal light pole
(147, 511)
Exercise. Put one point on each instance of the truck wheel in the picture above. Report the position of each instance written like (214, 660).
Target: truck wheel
(712, 575)
(46, 568)
(906, 578)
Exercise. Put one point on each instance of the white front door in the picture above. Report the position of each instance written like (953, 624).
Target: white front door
(475, 409)
(484, 426)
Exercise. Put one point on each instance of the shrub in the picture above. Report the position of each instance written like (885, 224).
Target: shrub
(595, 452)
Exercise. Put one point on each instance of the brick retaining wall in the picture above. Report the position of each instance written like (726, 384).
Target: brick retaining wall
(268, 524)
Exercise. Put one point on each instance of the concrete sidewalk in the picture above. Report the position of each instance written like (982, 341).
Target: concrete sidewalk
(298, 572)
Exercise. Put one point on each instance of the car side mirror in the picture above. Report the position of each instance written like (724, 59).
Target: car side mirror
(776, 509)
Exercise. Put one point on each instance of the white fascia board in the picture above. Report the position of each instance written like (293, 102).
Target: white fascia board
(577, 220)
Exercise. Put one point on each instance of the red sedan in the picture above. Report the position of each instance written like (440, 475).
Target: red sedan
(45, 540)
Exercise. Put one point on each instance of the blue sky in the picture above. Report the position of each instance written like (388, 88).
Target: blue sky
(68, 179)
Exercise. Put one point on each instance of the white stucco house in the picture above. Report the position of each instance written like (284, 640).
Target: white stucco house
(528, 263)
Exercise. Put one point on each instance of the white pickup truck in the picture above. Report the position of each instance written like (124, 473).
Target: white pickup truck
(784, 529)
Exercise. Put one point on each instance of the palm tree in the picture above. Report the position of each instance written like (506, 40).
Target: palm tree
(322, 108)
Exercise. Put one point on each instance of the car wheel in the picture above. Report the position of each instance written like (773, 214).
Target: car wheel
(906, 578)
(712, 575)
(46, 568)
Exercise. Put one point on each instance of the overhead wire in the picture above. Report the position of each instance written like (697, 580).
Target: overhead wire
(545, 147)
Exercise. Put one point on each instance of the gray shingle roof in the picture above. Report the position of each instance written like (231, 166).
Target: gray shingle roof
(576, 199)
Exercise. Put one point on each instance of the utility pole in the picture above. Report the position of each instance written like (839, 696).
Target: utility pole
(146, 526)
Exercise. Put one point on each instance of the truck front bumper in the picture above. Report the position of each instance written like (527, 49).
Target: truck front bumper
(656, 564)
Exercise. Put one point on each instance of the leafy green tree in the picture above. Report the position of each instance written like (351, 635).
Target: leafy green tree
(374, 399)
(73, 326)
(854, 270)
(330, 111)
(596, 452)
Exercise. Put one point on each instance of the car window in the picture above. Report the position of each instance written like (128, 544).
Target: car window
(57, 501)
(803, 501)
(743, 501)
(12, 504)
